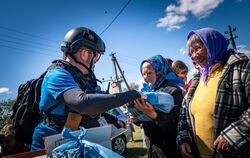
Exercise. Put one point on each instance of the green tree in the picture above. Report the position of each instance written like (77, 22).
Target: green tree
(133, 86)
(5, 112)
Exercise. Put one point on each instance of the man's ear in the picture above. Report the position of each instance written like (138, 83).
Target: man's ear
(81, 54)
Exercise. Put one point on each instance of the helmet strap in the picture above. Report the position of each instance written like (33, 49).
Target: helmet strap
(90, 72)
(91, 63)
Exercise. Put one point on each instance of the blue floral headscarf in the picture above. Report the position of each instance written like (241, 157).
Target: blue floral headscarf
(163, 71)
(217, 47)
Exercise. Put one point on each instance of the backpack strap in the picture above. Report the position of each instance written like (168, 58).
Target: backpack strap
(74, 71)
(78, 77)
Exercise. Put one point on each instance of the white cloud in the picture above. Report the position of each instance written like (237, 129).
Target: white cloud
(193, 71)
(5, 90)
(140, 83)
(183, 51)
(171, 20)
(243, 49)
(242, 46)
(176, 14)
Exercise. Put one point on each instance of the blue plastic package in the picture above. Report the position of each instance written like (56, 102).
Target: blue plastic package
(79, 148)
(161, 101)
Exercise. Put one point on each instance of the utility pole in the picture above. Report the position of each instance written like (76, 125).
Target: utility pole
(118, 83)
(232, 37)
(114, 62)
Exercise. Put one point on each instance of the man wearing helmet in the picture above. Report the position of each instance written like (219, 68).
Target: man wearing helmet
(63, 91)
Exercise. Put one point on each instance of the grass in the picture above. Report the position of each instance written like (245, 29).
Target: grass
(135, 149)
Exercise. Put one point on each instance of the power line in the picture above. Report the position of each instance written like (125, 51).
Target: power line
(24, 40)
(129, 57)
(127, 63)
(20, 43)
(27, 51)
(116, 17)
(27, 34)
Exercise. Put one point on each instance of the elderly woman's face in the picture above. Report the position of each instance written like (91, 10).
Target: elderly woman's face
(148, 74)
(199, 52)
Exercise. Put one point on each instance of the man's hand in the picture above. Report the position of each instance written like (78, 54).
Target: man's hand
(221, 144)
(146, 108)
(186, 151)
(119, 122)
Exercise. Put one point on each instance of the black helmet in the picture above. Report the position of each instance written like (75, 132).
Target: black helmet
(79, 37)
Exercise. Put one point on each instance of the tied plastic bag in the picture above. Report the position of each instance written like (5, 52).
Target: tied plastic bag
(161, 101)
(79, 148)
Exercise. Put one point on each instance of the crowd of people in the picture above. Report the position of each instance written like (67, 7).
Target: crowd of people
(210, 117)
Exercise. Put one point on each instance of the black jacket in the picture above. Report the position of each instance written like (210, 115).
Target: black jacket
(163, 131)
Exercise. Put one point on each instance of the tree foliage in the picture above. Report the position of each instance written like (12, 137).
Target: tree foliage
(133, 86)
(5, 112)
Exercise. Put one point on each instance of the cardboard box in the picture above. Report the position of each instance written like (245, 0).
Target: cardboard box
(33, 154)
(100, 135)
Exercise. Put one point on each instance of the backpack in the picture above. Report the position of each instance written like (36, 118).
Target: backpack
(26, 113)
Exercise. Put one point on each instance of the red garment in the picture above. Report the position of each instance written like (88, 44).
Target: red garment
(19, 148)
(189, 84)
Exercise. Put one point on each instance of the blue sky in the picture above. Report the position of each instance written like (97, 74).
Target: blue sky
(31, 32)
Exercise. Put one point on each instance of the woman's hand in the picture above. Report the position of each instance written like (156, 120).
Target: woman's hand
(146, 108)
(186, 151)
(143, 96)
(221, 144)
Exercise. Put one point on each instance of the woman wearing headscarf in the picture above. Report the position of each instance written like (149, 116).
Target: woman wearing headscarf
(214, 118)
(159, 76)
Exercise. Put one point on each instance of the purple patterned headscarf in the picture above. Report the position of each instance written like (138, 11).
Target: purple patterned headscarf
(217, 47)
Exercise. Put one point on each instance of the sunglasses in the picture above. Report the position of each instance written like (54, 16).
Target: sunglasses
(96, 53)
